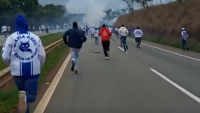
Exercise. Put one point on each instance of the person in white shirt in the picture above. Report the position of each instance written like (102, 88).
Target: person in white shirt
(96, 36)
(123, 32)
(4, 30)
(138, 36)
(184, 37)
(24, 53)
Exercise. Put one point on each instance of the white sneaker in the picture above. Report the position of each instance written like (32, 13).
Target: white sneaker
(126, 52)
(22, 102)
(106, 58)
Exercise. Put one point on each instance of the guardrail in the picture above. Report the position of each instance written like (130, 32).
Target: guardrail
(5, 77)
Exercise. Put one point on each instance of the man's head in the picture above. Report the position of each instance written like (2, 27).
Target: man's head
(138, 27)
(122, 25)
(75, 25)
(21, 24)
(103, 25)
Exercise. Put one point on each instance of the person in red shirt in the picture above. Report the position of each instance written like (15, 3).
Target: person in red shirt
(105, 39)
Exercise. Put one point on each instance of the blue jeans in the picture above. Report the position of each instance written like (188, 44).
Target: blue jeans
(184, 44)
(96, 40)
(123, 38)
(75, 56)
(29, 85)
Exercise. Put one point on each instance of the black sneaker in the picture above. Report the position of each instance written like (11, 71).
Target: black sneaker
(73, 64)
(77, 72)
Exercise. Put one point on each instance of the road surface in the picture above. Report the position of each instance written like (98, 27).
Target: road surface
(145, 80)
(3, 39)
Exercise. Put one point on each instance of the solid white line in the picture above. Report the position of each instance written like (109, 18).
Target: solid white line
(170, 51)
(49, 92)
(120, 48)
(177, 86)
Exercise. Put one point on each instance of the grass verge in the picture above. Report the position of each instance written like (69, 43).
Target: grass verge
(9, 98)
(192, 44)
(46, 40)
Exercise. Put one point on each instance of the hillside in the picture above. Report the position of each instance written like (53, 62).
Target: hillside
(163, 23)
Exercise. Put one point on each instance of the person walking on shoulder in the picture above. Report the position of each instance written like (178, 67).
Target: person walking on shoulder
(138, 36)
(184, 37)
(105, 39)
(74, 38)
(23, 52)
(123, 32)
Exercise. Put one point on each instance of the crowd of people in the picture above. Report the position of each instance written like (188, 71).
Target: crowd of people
(24, 53)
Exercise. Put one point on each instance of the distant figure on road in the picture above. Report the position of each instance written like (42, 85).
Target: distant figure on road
(74, 38)
(184, 37)
(4, 30)
(96, 36)
(138, 36)
(105, 39)
(123, 32)
(24, 53)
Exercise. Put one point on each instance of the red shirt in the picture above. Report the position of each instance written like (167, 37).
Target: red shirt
(105, 34)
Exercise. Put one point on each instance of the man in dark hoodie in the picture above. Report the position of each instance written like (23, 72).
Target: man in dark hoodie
(23, 52)
(74, 38)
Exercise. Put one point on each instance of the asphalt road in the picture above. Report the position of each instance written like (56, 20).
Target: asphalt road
(3, 39)
(133, 82)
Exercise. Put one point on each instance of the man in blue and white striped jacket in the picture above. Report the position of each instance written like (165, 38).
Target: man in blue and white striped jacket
(24, 53)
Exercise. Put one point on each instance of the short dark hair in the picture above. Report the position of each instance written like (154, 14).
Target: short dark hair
(75, 25)
(122, 25)
(103, 25)
(138, 27)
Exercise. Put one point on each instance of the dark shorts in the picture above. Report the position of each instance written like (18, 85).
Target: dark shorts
(138, 40)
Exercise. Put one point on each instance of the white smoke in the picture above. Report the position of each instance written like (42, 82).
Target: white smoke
(93, 9)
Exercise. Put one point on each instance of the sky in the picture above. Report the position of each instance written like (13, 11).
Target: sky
(43, 2)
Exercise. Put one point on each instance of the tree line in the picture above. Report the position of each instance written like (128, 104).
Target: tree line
(35, 13)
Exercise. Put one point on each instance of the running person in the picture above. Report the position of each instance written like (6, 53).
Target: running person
(23, 52)
(123, 32)
(4, 30)
(138, 36)
(105, 39)
(96, 36)
(74, 38)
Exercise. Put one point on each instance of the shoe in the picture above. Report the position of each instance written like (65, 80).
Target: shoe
(73, 64)
(106, 58)
(77, 72)
(126, 52)
(22, 102)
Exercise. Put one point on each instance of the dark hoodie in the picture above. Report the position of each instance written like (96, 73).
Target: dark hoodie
(21, 25)
(74, 37)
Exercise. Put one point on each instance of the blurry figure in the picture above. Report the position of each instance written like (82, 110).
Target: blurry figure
(4, 30)
(123, 32)
(138, 36)
(47, 30)
(74, 38)
(184, 38)
(96, 36)
(25, 57)
(105, 39)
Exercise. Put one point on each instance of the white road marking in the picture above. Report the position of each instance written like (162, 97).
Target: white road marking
(120, 48)
(170, 51)
(49, 92)
(177, 86)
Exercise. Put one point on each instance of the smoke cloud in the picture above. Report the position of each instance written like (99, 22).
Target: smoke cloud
(93, 10)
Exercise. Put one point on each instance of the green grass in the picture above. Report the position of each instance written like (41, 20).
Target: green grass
(46, 40)
(193, 45)
(9, 98)
(174, 42)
